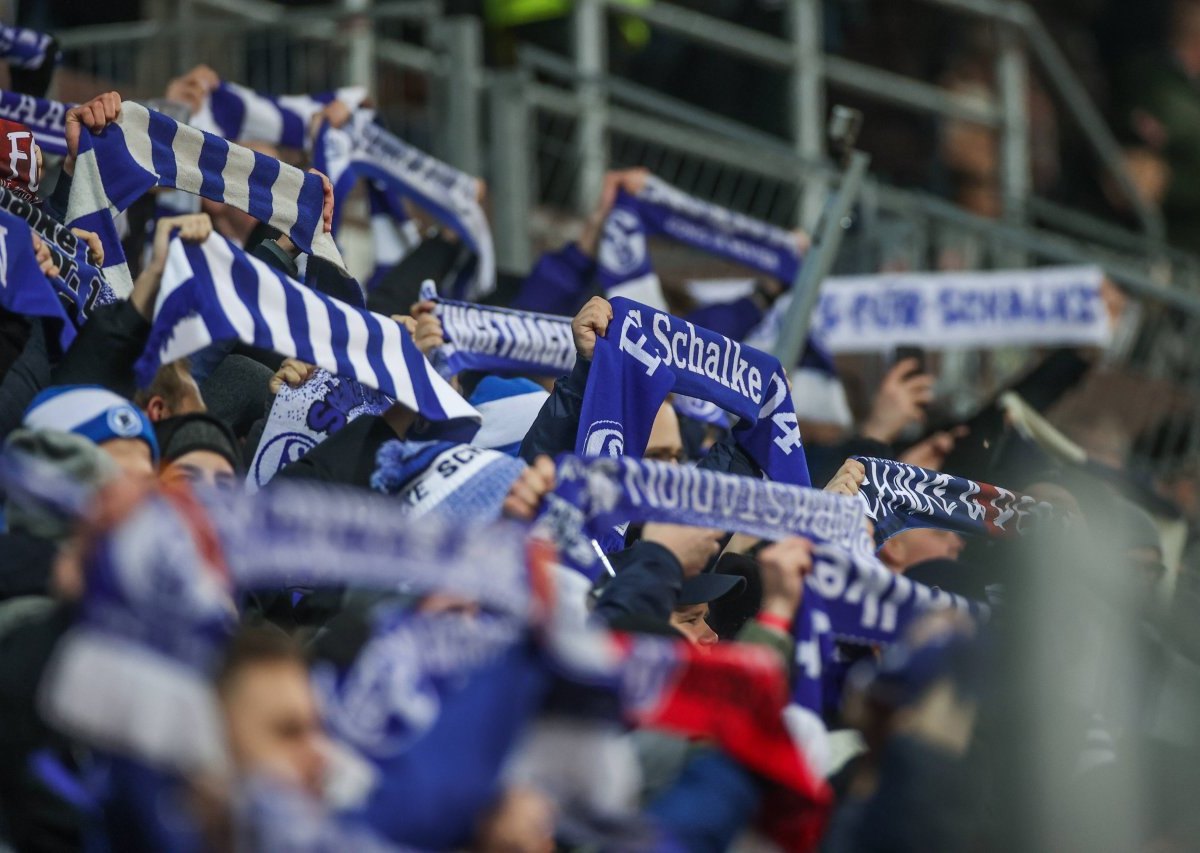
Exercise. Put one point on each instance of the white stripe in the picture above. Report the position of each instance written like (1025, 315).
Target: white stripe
(261, 120)
(135, 126)
(191, 334)
(393, 357)
(272, 307)
(507, 420)
(220, 270)
(186, 147)
(236, 174)
(87, 191)
(285, 193)
(356, 345)
(319, 331)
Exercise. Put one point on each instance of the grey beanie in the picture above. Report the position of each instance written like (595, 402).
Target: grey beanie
(73, 456)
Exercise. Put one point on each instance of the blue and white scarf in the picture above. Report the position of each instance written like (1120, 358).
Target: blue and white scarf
(1052, 306)
(647, 353)
(458, 483)
(301, 418)
(363, 150)
(145, 149)
(659, 208)
(898, 497)
(393, 234)
(480, 337)
(24, 289)
(213, 291)
(80, 286)
(45, 118)
(24, 48)
(238, 113)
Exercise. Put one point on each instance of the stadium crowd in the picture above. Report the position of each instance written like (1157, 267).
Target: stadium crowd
(451, 560)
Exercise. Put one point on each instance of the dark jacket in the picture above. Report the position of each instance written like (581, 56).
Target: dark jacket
(347, 456)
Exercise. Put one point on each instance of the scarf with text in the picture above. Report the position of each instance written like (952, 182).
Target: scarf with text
(647, 353)
(458, 483)
(239, 113)
(658, 208)
(24, 48)
(24, 290)
(145, 149)
(481, 337)
(362, 149)
(213, 291)
(80, 285)
(898, 497)
(303, 417)
(45, 118)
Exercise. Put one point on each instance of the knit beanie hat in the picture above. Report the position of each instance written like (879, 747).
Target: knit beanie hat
(509, 408)
(198, 431)
(74, 457)
(92, 412)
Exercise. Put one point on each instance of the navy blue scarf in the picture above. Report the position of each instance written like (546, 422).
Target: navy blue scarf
(648, 353)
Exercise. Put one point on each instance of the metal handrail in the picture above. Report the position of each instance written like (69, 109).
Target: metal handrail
(774, 52)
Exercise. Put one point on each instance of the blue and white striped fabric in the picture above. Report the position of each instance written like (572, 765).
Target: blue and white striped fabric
(91, 411)
(24, 48)
(239, 113)
(145, 149)
(363, 150)
(45, 118)
(213, 291)
(509, 408)
(482, 337)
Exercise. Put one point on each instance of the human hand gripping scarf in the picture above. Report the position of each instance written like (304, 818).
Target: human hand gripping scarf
(648, 353)
(144, 149)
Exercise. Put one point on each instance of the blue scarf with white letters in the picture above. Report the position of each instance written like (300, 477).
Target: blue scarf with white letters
(899, 497)
(23, 48)
(648, 353)
(46, 119)
(24, 290)
(362, 149)
(482, 337)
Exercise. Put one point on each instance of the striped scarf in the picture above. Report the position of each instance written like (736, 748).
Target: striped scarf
(22, 48)
(239, 113)
(145, 149)
(214, 291)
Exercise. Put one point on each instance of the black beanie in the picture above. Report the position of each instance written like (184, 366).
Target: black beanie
(199, 431)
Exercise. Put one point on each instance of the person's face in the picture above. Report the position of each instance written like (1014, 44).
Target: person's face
(910, 547)
(272, 724)
(132, 456)
(666, 441)
(692, 622)
(200, 467)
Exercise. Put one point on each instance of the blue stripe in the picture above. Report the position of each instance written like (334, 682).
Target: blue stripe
(292, 132)
(338, 337)
(262, 178)
(228, 111)
(123, 179)
(375, 344)
(428, 403)
(162, 135)
(213, 155)
(297, 318)
(310, 205)
(245, 282)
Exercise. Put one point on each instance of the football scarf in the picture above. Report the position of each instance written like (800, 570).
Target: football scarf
(80, 286)
(500, 340)
(1052, 306)
(458, 483)
(301, 418)
(238, 113)
(363, 150)
(898, 497)
(145, 149)
(45, 118)
(213, 291)
(623, 257)
(647, 353)
(24, 289)
(23, 48)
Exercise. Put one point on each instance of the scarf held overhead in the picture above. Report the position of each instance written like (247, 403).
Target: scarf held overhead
(144, 149)
(241, 114)
(363, 150)
(647, 353)
(214, 291)
(45, 118)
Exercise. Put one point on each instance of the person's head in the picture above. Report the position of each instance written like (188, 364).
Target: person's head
(113, 423)
(65, 454)
(173, 392)
(270, 713)
(1185, 34)
(909, 547)
(197, 449)
(509, 407)
(690, 616)
(20, 160)
(666, 441)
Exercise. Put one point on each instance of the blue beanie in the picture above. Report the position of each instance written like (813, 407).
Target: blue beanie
(92, 412)
(509, 408)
